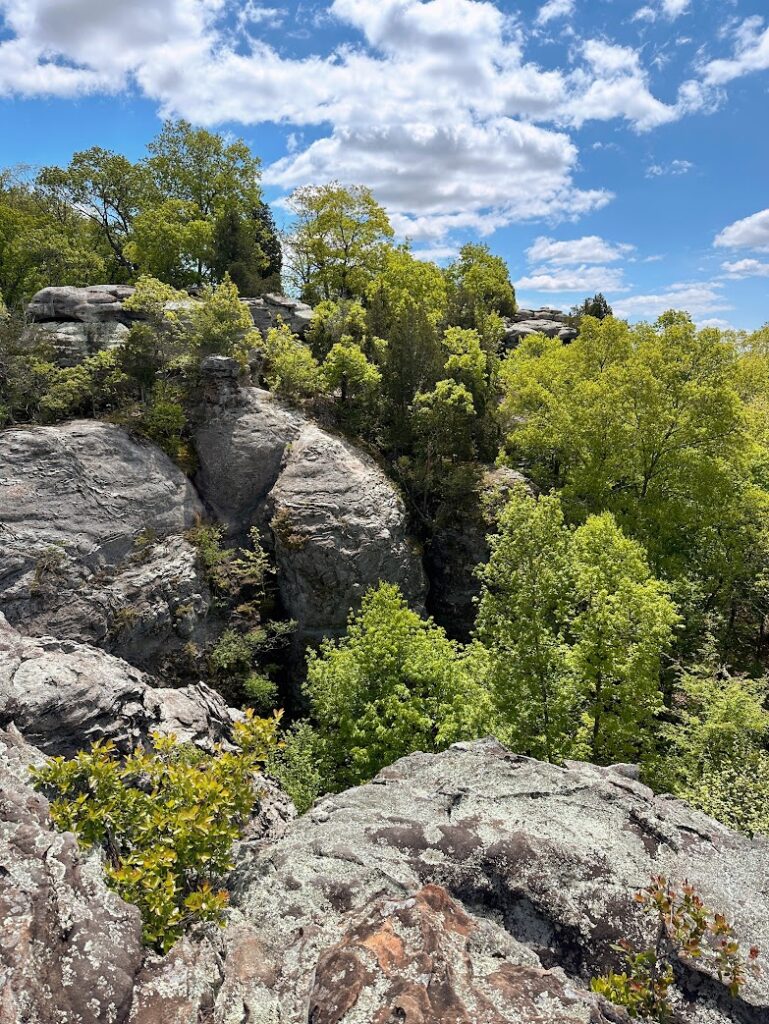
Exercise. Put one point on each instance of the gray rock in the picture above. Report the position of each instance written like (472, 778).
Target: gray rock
(472, 885)
(268, 309)
(74, 501)
(71, 343)
(96, 304)
(63, 696)
(69, 948)
(335, 522)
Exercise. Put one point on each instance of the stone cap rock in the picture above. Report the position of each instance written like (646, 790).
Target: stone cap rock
(94, 304)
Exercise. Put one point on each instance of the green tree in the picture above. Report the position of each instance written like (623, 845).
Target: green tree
(222, 324)
(354, 382)
(338, 241)
(291, 369)
(576, 626)
(597, 307)
(479, 287)
(395, 683)
(172, 242)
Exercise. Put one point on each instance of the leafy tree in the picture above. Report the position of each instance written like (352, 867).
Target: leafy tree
(479, 287)
(395, 683)
(354, 382)
(171, 241)
(291, 370)
(166, 820)
(576, 626)
(332, 321)
(597, 307)
(338, 241)
(222, 324)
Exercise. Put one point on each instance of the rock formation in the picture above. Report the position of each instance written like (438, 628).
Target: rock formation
(335, 522)
(550, 322)
(475, 885)
(268, 309)
(91, 523)
(64, 696)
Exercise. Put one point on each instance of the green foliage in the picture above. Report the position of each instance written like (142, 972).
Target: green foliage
(166, 820)
(338, 241)
(291, 370)
(222, 324)
(576, 626)
(479, 287)
(332, 321)
(395, 683)
(296, 764)
(354, 383)
(684, 929)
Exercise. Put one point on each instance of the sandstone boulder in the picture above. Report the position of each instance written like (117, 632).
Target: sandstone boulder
(69, 948)
(71, 343)
(268, 309)
(334, 521)
(473, 885)
(91, 523)
(63, 696)
(99, 303)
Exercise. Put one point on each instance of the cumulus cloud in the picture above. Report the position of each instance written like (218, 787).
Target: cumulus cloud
(697, 298)
(746, 268)
(588, 249)
(749, 233)
(670, 9)
(583, 278)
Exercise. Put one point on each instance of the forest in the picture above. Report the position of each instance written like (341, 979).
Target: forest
(622, 614)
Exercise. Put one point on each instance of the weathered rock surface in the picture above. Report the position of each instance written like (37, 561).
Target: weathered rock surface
(335, 522)
(471, 886)
(69, 948)
(76, 500)
(63, 696)
(269, 308)
(71, 343)
(96, 304)
(550, 322)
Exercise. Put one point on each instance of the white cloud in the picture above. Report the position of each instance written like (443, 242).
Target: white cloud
(697, 298)
(675, 168)
(588, 249)
(573, 279)
(751, 53)
(746, 268)
(555, 9)
(670, 9)
(749, 233)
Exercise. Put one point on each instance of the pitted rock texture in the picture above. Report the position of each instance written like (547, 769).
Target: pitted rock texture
(69, 948)
(336, 524)
(550, 322)
(63, 696)
(96, 304)
(549, 856)
(90, 540)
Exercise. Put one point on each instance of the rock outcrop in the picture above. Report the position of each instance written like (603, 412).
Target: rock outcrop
(550, 322)
(91, 547)
(69, 948)
(473, 885)
(63, 696)
(271, 308)
(97, 304)
(336, 524)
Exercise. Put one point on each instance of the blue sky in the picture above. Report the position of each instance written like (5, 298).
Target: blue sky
(614, 145)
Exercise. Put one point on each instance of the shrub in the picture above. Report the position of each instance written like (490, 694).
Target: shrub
(166, 820)
(684, 929)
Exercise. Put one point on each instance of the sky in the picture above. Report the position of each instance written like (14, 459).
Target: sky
(619, 146)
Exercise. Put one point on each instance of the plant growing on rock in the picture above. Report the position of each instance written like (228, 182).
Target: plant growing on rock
(685, 931)
(165, 818)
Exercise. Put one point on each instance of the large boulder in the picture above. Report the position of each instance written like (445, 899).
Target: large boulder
(270, 309)
(335, 523)
(99, 303)
(63, 696)
(69, 948)
(72, 343)
(91, 523)
(473, 885)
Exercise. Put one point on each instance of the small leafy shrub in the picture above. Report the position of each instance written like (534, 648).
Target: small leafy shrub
(165, 818)
(231, 570)
(685, 929)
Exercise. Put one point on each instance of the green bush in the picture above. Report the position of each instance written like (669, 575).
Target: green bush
(166, 820)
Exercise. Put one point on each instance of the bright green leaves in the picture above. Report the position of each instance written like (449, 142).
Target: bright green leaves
(575, 625)
(166, 820)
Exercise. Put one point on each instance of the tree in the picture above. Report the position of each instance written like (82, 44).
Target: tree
(576, 626)
(479, 287)
(395, 683)
(596, 307)
(291, 369)
(245, 246)
(172, 242)
(354, 381)
(338, 241)
(222, 324)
